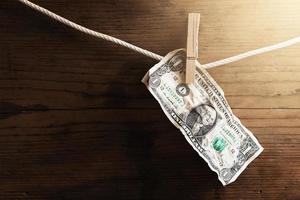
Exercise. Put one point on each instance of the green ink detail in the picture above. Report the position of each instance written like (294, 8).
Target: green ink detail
(219, 144)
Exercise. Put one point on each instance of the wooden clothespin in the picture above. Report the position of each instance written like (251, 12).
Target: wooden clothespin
(192, 47)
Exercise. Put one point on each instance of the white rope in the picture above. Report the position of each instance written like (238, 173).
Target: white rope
(91, 32)
(252, 53)
(149, 53)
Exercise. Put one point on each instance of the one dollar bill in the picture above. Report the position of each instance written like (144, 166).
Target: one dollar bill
(203, 115)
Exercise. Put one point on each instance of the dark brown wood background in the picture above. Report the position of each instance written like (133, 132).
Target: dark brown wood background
(77, 123)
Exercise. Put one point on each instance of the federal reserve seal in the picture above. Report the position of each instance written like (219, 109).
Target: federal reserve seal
(182, 90)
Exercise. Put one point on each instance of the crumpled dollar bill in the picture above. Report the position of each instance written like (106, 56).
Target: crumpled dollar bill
(203, 115)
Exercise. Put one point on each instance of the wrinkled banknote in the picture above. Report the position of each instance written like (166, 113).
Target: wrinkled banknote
(203, 115)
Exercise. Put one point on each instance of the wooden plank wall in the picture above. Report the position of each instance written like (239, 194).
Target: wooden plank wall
(76, 122)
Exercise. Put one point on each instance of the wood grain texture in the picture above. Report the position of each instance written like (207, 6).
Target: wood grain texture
(76, 122)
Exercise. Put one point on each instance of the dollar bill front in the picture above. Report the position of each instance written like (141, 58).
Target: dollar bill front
(203, 115)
